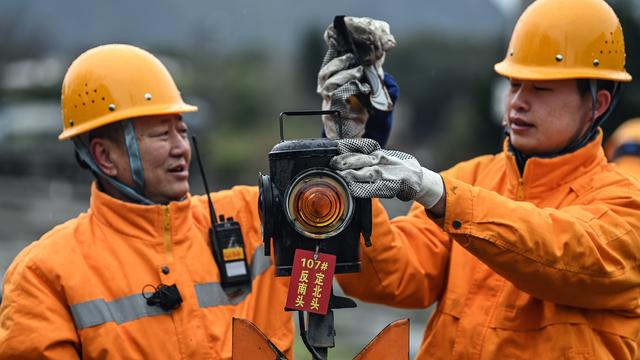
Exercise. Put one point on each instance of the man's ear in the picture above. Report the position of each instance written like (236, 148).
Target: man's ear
(603, 101)
(102, 152)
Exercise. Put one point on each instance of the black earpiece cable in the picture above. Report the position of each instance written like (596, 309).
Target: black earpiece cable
(212, 212)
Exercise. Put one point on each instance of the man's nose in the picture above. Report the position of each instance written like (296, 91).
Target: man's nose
(179, 144)
(519, 99)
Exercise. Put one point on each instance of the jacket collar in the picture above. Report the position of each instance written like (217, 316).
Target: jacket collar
(149, 222)
(544, 174)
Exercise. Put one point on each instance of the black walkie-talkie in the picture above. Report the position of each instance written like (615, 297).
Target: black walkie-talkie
(227, 244)
(229, 247)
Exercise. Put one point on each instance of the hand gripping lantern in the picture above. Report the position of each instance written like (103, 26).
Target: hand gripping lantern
(305, 205)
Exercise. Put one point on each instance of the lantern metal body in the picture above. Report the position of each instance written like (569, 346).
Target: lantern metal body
(304, 204)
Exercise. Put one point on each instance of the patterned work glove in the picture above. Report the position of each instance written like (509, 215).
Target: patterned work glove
(352, 81)
(372, 172)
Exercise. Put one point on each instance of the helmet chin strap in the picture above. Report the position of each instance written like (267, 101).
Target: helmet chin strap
(135, 194)
(135, 164)
(580, 140)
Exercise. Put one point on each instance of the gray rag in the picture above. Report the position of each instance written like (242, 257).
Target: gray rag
(373, 39)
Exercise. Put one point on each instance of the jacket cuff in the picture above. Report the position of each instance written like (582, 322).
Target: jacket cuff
(459, 217)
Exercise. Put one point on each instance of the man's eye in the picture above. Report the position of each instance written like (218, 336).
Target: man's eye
(542, 88)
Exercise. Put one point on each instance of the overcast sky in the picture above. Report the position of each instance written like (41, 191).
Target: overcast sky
(76, 24)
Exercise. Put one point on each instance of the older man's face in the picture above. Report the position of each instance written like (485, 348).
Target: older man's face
(165, 154)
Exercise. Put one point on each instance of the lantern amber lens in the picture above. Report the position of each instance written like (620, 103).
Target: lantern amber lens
(318, 205)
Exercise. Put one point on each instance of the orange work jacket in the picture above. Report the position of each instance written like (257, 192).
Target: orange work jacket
(76, 292)
(540, 266)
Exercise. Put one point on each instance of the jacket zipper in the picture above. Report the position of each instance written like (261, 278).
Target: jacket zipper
(520, 190)
(166, 232)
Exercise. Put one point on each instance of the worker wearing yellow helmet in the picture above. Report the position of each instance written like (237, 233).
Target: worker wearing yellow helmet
(531, 252)
(138, 276)
(623, 147)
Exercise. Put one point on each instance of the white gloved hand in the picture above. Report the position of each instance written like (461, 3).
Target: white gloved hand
(371, 172)
(331, 78)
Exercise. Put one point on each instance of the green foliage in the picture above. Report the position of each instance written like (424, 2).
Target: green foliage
(446, 87)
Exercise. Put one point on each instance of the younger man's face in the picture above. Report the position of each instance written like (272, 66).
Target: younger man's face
(543, 117)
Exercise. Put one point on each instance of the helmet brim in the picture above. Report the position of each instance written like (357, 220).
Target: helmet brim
(160, 109)
(525, 72)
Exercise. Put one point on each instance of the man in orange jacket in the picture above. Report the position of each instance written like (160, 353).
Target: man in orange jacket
(532, 252)
(135, 277)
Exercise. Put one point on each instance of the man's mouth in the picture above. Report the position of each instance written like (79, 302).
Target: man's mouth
(518, 124)
(178, 168)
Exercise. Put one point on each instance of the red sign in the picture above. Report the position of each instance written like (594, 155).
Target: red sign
(311, 280)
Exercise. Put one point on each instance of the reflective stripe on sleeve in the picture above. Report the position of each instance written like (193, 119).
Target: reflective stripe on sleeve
(260, 262)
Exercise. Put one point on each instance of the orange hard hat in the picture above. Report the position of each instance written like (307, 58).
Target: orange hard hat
(116, 82)
(566, 39)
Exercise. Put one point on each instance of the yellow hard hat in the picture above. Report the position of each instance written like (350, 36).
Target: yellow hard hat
(115, 82)
(566, 39)
(627, 133)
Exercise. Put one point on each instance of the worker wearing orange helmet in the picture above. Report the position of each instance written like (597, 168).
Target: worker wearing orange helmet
(140, 275)
(623, 147)
(532, 252)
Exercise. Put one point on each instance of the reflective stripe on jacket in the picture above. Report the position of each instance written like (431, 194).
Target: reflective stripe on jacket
(77, 292)
(543, 266)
